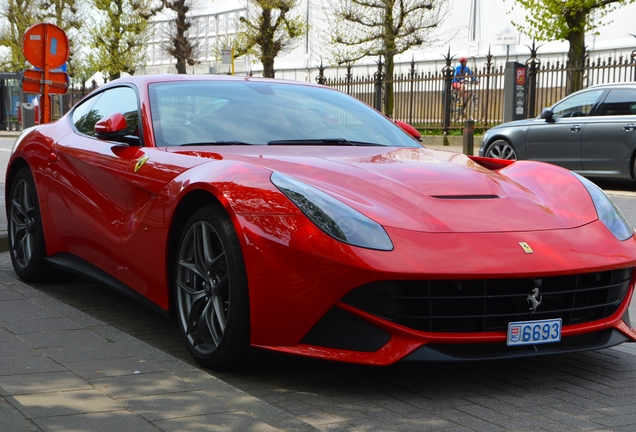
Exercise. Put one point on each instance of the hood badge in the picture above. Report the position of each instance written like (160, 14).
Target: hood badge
(141, 162)
(535, 298)
(526, 247)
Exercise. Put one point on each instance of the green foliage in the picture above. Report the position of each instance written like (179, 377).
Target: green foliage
(569, 20)
(270, 28)
(551, 20)
(20, 15)
(118, 43)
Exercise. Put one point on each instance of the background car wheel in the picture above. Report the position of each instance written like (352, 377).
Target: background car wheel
(212, 301)
(501, 149)
(26, 236)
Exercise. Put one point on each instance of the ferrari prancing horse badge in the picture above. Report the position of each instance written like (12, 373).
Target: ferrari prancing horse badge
(141, 162)
(526, 247)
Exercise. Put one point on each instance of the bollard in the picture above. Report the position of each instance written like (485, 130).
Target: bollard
(469, 137)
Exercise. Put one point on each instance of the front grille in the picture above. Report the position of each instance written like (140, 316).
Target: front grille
(480, 305)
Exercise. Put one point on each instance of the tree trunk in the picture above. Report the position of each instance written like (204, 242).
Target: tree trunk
(181, 66)
(388, 86)
(389, 56)
(267, 45)
(576, 52)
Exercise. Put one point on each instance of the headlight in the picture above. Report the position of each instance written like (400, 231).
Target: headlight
(332, 216)
(607, 211)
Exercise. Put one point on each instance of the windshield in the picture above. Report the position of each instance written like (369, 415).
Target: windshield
(265, 113)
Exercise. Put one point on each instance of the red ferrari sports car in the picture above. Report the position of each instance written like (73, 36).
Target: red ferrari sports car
(291, 217)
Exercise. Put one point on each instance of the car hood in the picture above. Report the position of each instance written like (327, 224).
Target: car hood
(431, 190)
(516, 123)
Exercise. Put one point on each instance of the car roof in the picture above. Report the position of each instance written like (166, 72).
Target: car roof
(143, 80)
(613, 85)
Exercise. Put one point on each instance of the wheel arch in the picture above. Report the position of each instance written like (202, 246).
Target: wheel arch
(189, 203)
(497, 137)
(15, 166)
(632, 163)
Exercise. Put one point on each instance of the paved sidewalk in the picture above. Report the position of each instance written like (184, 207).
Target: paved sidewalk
(63, 370)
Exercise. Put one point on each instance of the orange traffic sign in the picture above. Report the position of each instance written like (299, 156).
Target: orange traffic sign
(33, 82)
(45, 46)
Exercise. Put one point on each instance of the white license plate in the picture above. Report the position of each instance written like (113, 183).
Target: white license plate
(534, 332)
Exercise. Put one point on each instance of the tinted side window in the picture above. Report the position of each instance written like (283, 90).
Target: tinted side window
(117, 100)
(619, 102)
(80, 112)
(578, 105)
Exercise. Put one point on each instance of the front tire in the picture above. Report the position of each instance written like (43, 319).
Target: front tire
(501, 149)
(26, 235)
(212, 301)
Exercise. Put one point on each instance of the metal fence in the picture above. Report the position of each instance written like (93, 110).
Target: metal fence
(421, 99)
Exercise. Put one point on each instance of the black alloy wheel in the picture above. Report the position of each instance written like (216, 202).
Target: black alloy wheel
(26, 236)
(501, 149)
(211, 291)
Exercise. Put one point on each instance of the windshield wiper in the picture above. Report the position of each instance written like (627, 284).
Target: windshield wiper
(213, 143)
(322, 141)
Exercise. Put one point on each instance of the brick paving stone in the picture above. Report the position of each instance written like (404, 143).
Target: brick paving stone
(484, 413)
(64, 403)
(50, 339)
(85, 353)
(101, 368)
(18, 310)
(176, 405)
(42, 325)
(575, 422)
(11, 420)
(215, 423)
(140, 385)
(617, 420)
(28, 365)
(41, 383)
(17, 348)
(475, 424)
(113, 421)
(6, 335)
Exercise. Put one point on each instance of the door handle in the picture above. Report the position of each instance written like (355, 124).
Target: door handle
(630, 127)
(575, 128)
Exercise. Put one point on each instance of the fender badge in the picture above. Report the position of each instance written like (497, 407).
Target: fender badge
(526, 247)
(141, 163)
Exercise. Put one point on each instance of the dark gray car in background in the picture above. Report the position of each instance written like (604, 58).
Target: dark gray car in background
(592, 132)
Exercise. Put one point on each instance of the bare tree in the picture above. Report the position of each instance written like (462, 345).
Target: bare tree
(181, 44)
(373, 28)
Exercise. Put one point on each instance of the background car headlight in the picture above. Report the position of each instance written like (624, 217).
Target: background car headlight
(607, 211)
(332, 216)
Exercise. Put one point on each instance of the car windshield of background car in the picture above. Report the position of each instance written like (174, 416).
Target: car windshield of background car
(579, 105)
(221, 112)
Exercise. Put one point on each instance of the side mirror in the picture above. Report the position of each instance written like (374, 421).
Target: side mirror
(409, 129)
(546, 114)
(114, 128)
